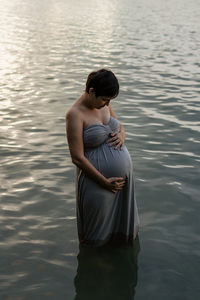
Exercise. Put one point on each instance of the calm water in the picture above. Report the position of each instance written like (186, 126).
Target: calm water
(47, 49)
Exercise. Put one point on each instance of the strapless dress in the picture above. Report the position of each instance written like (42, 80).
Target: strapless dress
(103, 216)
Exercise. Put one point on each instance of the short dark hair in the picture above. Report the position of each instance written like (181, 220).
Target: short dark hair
(104, 83)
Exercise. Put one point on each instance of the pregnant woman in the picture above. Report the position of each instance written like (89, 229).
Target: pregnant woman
(105, 201)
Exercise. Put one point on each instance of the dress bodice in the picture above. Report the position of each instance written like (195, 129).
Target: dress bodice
(96, 134)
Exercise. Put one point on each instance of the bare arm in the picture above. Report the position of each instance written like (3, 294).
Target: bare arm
(112, 113)
(117, 138)
(74, 131)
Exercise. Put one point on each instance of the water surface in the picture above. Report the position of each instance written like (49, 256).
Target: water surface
(47, 50)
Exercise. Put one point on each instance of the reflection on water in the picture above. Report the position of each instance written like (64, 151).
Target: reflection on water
(47, 49)
(107, 272)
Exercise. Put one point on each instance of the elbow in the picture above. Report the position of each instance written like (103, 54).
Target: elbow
(77, 161)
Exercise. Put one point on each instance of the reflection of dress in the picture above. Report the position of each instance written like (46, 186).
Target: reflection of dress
(107, 272)
(103, 216)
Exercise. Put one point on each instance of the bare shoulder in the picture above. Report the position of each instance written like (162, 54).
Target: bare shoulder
(74, 123)
(73, 113)
(74, 129)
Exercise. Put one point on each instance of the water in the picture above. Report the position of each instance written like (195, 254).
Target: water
(47, 50)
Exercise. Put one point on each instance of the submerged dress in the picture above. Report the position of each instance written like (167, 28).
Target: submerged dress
(104, 216)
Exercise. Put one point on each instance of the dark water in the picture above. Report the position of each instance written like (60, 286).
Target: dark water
(47, 49)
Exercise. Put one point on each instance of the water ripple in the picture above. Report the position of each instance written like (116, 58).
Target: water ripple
(47, 50)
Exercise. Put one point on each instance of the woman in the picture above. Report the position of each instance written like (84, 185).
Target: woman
(105, 203)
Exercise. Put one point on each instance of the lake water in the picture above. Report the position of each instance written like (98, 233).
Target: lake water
(47, 49)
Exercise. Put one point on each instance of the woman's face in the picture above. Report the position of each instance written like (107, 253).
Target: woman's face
(101, 101)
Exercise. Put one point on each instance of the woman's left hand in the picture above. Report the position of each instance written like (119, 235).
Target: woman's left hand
(117, 139)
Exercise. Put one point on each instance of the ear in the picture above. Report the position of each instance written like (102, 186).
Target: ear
(91, 91)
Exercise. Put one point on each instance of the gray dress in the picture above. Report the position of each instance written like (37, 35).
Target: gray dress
(103, 216)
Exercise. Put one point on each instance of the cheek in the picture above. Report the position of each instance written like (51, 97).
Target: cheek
(101, 102)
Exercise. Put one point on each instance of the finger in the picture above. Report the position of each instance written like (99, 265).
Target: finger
(118, 179)
(119, 186)
(111, 140)
(115, 142)
(121, 145)
(113, 134)
(121, 183)
(118, 146)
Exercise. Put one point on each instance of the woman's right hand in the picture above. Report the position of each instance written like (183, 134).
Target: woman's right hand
(114, 184)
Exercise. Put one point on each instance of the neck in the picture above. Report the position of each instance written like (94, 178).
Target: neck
(86, 100)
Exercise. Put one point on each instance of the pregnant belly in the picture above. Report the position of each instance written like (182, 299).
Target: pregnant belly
(110, 162)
